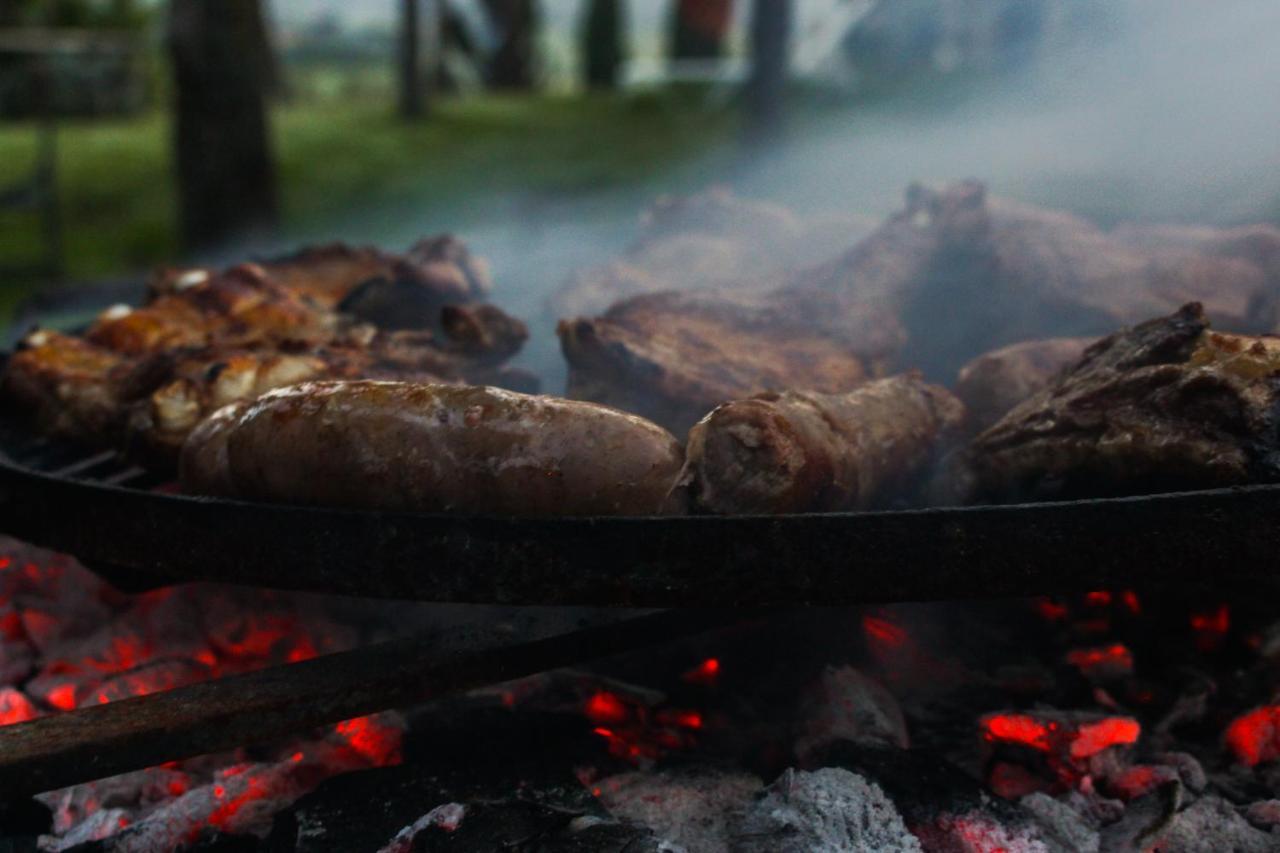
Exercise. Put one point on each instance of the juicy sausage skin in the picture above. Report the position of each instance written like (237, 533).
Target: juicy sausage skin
(436, 448)
(801, 451)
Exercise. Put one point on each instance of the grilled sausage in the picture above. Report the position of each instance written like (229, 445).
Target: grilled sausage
(436, 448)
(807, 452)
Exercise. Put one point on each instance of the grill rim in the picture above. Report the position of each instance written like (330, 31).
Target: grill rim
(1210, 537)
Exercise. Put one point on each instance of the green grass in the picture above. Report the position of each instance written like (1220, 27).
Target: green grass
(343, 160)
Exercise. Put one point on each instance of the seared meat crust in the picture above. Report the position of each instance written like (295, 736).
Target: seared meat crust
(673, 357)
(806, 452)
(995, 382)
(435, 448)
(1165, 405)
(142, 378)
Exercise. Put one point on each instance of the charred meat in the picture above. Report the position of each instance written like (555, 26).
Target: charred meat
(673, 357)
(1162, 406)
(710, 240)
(995, 382)
(808, 452)
(967, 273)
(434, 448)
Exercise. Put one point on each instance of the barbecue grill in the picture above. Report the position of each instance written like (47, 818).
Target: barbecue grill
(134, 528)
(130, 525)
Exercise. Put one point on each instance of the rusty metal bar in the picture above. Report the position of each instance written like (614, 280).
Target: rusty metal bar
(105, 740)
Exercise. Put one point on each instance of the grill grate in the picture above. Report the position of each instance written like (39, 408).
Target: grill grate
(21, 446)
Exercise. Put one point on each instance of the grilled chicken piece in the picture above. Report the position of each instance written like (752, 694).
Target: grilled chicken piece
(68, 386)
(176, 390)
(993, 383)
(673, 357)
(968, 273)
(434, 448)
(804, 452)
(1165, 405)
(436, 271)
(240, 307)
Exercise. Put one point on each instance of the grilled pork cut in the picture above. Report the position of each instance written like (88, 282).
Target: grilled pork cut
(434, 448)
(800, 451)
(995, 382)
(967, 272)
(710, 240)
(1165, 405)
(672, 357)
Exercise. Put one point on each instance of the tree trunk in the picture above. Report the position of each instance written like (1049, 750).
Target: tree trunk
(516, 22)
(222, 71)
(603, 43)
(411, 100)
(770, 36)
(699, 28)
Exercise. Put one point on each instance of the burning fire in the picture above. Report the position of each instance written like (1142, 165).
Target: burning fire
(67, 641)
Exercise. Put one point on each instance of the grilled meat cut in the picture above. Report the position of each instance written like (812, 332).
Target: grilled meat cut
(806, 452)
(968, 273)
(242, 306)
(66, 385)
(144, 377)
(1165, 405)
(995, 382)
(434, 448)
(707, 241)
(672, 357)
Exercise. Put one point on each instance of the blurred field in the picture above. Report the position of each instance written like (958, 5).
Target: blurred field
(353, 159)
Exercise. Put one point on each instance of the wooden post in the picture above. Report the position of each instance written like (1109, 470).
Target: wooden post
(771, 22)
(512, 65)
(411, 96)
(699, 28)
(603, 43)
(222, 71)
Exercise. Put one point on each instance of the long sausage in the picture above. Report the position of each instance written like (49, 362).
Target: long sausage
(435, 448)
(801, 451)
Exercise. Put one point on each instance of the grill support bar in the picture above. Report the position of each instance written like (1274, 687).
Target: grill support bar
(131, 734)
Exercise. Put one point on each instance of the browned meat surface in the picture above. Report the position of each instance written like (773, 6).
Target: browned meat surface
(390, 288)
(995, 382)
(144, 377)
(806, 452)
(1161, 406)
(240, 307)
(436, 448)
(1258, 244)
(708, 241)
(968, 273)
(175, 390)
(673, 357)
(67, 385)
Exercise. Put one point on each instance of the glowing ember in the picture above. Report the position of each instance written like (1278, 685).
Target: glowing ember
(1114, 661)
(1092, 738)
(704, 673)
(1050, 610)
(1066, 740)
(67, 641)
(1255, 737)
(15, 707)
(1098, 598)
(1211, 627)
(884, 631)
(604, 707)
